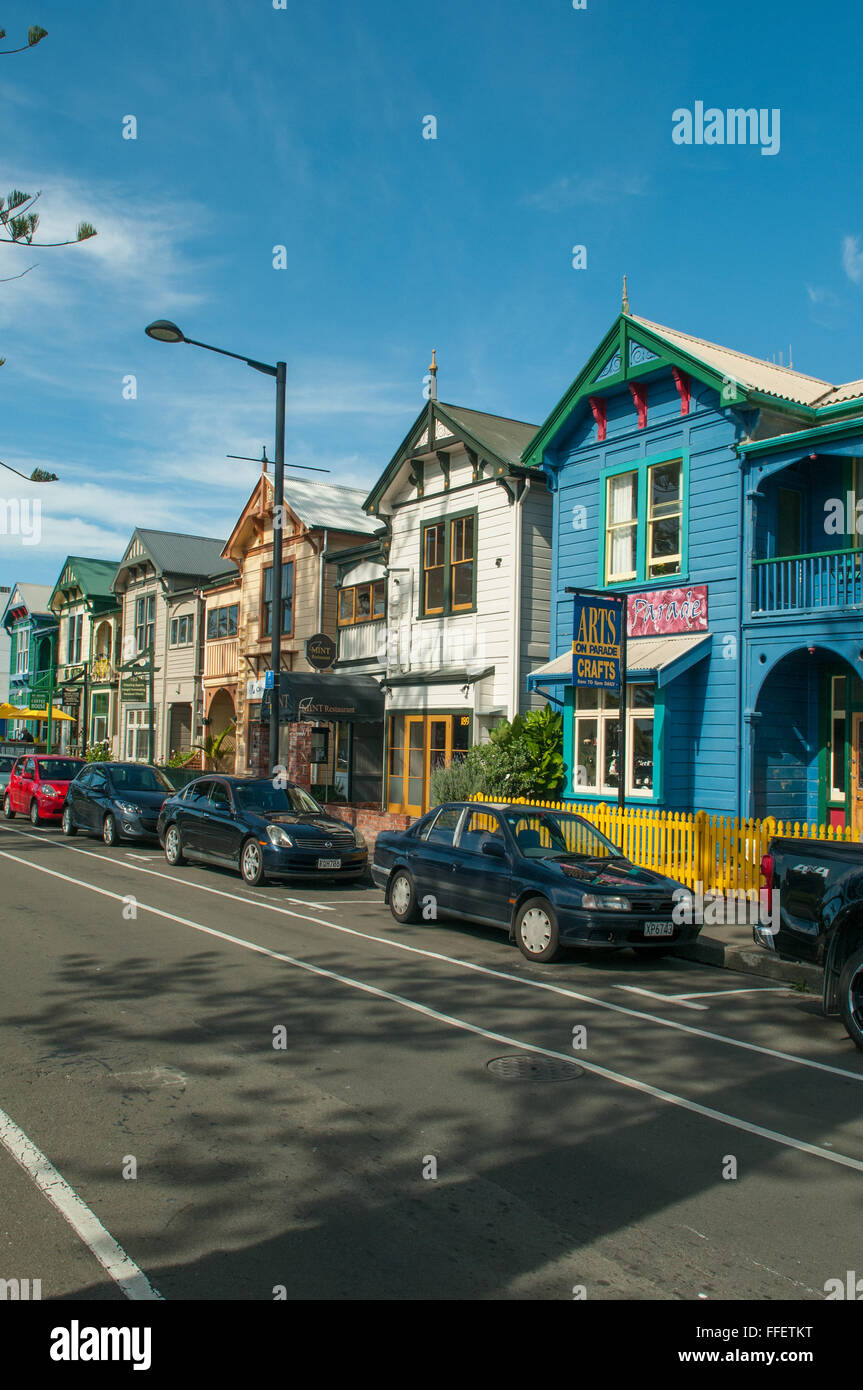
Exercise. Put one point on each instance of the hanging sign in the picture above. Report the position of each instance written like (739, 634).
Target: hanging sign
(596, 642)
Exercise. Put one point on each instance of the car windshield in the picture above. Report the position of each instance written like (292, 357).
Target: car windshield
(553, 834)
(61, 769)
(262, 798)
(139, 778)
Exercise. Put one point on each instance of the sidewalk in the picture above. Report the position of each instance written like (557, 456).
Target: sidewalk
(733, 948)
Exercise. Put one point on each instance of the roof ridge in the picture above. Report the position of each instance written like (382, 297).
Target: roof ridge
(492, 414)
(734, 352)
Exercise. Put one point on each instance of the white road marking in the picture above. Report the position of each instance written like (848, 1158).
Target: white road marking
(147, 858)
(712, 993)
(111, 1256)
(665, 998)
(617, 1078)
(478, 969)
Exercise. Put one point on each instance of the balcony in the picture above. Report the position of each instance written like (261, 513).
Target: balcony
(221, 659)
(827, 580)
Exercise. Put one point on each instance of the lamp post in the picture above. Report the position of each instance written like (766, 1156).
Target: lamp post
(165, 332)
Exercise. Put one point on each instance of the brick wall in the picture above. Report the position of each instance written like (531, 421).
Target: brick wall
(298, 754)
(370, 819)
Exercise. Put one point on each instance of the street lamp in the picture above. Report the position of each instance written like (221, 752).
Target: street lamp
(163, 331)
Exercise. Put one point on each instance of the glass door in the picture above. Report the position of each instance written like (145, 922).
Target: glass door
(415, 753)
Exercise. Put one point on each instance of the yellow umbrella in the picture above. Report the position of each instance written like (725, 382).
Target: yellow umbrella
(9, 712)
(40, 714)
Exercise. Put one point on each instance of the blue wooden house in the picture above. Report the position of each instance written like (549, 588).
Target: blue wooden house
(718, 492)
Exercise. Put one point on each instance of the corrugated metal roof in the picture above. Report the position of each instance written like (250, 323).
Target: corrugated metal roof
(191, 556)
(643, 654)
(328, 507)
(508, 438)
(849, 392)
(753, 372)
(36, 597)
(95, 577)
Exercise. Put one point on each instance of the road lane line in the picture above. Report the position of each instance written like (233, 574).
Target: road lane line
(712, 993)
(111, 1256)
(413, 1005)
(474, 966)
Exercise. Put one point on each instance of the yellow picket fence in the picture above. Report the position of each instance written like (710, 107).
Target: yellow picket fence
(721, 853)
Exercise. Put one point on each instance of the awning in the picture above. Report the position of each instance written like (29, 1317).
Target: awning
(661, 659)
(326, 696)
(32, 714)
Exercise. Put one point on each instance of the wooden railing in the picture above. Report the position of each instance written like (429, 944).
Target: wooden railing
(221, 658)
(825, 579)
(720, 853)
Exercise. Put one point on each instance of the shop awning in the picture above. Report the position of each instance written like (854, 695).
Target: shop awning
(329, 697)
(661, 659)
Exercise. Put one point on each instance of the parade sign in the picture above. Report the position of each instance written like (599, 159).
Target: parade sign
(668, 611)
(596, 642)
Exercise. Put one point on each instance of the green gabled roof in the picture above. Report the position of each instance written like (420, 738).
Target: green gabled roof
(93, 577)
(494, 437)
(634, 348)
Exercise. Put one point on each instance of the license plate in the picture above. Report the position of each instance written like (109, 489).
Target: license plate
(659, 929)
(329, 863)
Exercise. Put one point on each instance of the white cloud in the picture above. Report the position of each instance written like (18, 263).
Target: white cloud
(568, 191)
(852, 258)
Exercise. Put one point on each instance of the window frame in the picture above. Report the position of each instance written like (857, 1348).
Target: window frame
(371, 616)
(448, 521)
(189, 620)
(215, 613)
(264, 628)
(641, 467)
(149, 621)
(600, 790)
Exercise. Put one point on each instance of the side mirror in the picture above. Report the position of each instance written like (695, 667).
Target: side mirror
(494, 849)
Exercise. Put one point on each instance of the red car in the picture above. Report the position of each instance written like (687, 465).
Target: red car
(37, 786)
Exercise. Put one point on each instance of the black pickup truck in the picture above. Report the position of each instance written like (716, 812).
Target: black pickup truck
(819, 884)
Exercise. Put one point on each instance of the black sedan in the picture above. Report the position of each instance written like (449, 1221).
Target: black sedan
(548, 878)
(119, 801)
(260, 827)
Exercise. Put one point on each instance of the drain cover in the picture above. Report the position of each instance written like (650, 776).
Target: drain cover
(530, 1066)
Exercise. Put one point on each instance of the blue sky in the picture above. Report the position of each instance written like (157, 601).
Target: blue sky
(302, 127)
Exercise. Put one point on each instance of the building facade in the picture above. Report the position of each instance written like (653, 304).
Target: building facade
(32, 631)
(88, 628)
(700, 483)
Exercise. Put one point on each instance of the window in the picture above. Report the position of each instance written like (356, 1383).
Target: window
(182, 630)
(138, 734)
(220, 797)
(287, 600)
(22, 651)
(222, 622)
(449, 565)
(441, 828)
(99, 719)
(145, 617)
(644, 534)
(362, 603)
(73, 641)
(479, 827)
(837, 739)
(596, 735)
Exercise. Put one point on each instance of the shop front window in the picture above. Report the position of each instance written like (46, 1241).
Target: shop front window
(596, 750)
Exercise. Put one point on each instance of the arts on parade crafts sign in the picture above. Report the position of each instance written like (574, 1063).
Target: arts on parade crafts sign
(597, 625)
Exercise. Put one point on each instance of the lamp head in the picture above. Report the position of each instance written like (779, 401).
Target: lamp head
(165, 332)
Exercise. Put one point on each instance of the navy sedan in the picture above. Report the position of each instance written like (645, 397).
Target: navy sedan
(548, 878)
(119, 801)
(261, 828)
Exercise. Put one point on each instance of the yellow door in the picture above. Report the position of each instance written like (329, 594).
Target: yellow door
(857, 775)
(415, 765)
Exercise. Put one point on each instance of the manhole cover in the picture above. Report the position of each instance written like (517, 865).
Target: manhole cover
(529, 1066)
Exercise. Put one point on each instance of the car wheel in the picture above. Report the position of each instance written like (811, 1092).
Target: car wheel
(34, 812)
(252, 863)
(7, 807)
(403, 897)
(536, 930)
(68, 825)
(174, 846)
(851, 998)
(109, 830)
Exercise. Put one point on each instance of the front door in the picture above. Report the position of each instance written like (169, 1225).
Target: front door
(857, 776)
(415, 771)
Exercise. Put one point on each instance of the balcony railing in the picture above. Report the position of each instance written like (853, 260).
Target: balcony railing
(221, 659)
(829, 579)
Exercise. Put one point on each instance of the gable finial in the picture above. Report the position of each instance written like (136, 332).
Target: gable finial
(433, 375)
(625, 301)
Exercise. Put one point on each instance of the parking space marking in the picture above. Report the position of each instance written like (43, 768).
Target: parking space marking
(111, 1256)
(414, 1006)
(682, 1000)
(755, 989)
(474, 966)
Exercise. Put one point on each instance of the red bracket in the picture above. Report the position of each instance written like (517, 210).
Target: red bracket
(597, 405)
(681, 381)
(638, 390)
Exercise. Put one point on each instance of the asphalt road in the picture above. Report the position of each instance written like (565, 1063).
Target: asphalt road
(139, 1007)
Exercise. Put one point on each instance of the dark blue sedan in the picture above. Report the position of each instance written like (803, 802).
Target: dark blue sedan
(261, 828)
(548, 878)
(119, 801)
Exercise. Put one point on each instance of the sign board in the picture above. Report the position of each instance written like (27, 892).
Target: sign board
(255, 687)
(597, 630)
(320, 651)
(268, 680)
(133, 689)
(667, 611)
(72, 696)
(38, 700)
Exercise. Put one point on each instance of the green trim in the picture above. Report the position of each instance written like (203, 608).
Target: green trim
(813, 555)
(448, 610)
(781, 442)
(641, 467)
